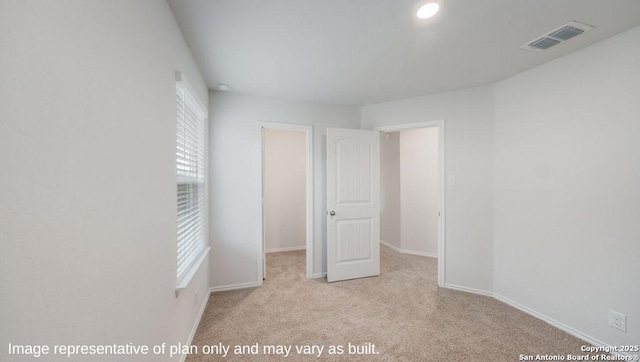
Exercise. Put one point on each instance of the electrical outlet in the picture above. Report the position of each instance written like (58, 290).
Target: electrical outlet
(617, 320)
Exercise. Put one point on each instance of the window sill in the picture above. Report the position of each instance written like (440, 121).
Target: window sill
(183, 283)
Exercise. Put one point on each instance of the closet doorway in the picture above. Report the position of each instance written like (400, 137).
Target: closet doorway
(412, 190)
(286, 201)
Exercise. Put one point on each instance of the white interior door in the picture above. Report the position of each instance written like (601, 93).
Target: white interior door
(353, 204)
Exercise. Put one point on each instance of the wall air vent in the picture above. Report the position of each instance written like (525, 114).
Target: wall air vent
(556, 36)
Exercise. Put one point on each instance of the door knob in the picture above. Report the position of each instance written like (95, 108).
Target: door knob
(332, 212)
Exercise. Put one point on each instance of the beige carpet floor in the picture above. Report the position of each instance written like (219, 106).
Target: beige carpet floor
(402, 312)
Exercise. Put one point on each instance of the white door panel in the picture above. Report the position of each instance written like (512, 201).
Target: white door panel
(353, 194)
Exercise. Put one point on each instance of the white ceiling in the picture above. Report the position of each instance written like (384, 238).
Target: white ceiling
(358, 52)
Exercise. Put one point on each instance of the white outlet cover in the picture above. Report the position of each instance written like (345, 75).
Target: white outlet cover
(618, 320)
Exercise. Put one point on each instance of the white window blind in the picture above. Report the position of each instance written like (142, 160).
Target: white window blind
(190, 167)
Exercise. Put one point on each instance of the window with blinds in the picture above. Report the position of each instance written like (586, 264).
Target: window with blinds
(190, 167)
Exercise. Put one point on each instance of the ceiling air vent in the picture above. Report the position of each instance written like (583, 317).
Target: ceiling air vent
(556, 36)
(544, 43)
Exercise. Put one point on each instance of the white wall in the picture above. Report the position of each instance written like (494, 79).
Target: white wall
(468, 118)
(235, 178)
(567, 194)
(419, 192)
(390, 188)
(563, 209)
(88, 187)
(284, 190)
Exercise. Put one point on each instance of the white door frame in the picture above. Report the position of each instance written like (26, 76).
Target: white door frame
(442, 188)
(308, 130)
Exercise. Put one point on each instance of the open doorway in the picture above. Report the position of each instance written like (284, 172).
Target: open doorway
(286, 201)
(412, 190)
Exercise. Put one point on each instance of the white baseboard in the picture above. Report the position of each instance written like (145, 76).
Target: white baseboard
(290, 248)
(411, 252)
(420, 253)
(225, 288)
(196, 324)
(551, 321)
(393, 247)
(318, 275)
(469, 290)
(561, 326)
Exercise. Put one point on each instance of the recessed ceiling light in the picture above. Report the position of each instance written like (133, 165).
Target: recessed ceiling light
(223, 86)
(427, 10)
